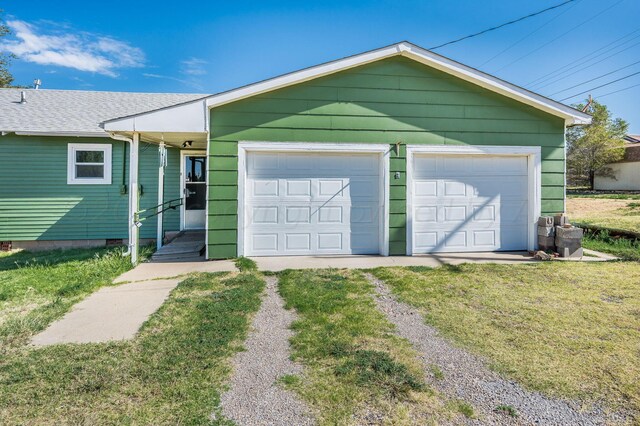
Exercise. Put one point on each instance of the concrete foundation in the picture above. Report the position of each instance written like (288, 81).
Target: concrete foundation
(41, 245)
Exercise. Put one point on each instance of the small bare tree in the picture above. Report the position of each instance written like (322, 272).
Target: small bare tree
(590, 149)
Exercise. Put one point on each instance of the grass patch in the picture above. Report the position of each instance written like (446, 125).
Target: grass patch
(604, 196)
(623, 248)
(566, 329)
(622, 214)
(463, 408)
(506, 410)
(436, 371)
(354, 363)
(37, 288)
(290, 380)
(377, 368)
(244, 264)
(171, 373)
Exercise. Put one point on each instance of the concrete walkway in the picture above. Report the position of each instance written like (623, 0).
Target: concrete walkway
(156, 270)
(111, 313)
(118, 312)
(277, 263)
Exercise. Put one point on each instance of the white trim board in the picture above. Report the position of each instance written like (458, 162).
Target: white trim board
(383, 150)
(534, 171)
(107, 164)
(165, 115)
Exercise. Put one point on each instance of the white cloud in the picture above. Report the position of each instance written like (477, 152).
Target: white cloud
(187, 82)
(81, 51)
(194, 66)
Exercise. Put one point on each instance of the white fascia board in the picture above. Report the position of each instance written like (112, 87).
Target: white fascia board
(570, 115)
(188, 117)
(66, 134)
(302, 76)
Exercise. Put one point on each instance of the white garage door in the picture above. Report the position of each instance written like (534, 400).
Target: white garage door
(469, 203)
(307, 204)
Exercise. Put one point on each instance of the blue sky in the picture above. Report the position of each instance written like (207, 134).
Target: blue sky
(207, 47)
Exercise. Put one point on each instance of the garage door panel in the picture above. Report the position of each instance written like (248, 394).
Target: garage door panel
(297, 188)
(312, 204)
(469, 203)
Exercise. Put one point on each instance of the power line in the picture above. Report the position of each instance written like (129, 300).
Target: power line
(555, 80)
(560, 36)
(577, 62)
(618, 91)
(529, 35)
(502, 25)
(595, 78)
(602, 85)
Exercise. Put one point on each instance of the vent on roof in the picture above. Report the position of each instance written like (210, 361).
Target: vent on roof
(23, 97)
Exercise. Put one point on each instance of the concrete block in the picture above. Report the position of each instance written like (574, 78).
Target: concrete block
(560, 219)
(571, 252)
(546, 241)
(545, 221)
(546, 231)
(569, 233)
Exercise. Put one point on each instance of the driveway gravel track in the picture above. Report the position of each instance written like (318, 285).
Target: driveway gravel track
(467, 377)
(254, 397)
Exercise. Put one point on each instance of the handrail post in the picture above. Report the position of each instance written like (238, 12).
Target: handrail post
(162, 151)
(134, 192)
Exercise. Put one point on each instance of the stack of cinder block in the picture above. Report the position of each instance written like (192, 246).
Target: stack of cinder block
(569, 241)
(555, 234)
(546, 234)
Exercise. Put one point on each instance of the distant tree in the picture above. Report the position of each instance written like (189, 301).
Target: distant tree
(5, 76)
(591, 148)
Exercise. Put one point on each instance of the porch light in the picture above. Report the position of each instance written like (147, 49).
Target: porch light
(187, 144)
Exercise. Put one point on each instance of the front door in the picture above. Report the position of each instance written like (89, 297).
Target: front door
(194, 190)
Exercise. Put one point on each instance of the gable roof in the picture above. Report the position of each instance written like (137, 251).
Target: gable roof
(572, 116)
(75, 112)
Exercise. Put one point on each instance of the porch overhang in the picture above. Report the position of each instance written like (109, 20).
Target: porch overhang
(174, 126)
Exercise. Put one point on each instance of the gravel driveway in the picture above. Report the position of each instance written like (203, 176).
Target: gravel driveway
(254, 398)
(466, 376)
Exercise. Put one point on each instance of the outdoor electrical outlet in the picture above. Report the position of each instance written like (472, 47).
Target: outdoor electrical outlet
(396, 175)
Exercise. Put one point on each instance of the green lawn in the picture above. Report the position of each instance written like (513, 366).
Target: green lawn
(605, 212)
(623, 248)
(604, 196)
(36, 288)
(354, 363)
(567, 329)
(172, 373)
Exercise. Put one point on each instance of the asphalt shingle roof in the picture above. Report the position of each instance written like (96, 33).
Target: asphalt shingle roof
(74, 110)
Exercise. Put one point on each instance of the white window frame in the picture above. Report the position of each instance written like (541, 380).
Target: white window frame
(72, 148)
(534, 178)
(383, 151)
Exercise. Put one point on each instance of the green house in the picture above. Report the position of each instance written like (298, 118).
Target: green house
(396, 151)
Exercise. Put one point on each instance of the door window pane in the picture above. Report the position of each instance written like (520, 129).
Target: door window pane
(195, 169)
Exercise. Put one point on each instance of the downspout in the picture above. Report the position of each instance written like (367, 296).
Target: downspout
(118, 137)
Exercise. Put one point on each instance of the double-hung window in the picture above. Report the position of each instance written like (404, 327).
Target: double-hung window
(88, 164)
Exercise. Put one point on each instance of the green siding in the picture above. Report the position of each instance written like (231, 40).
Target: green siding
(390, 101)
(36, 203)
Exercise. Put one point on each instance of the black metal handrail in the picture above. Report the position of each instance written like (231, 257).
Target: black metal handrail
(170, 205)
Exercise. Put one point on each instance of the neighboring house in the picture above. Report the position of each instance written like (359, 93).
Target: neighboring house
(626, 172)
(393, 151)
